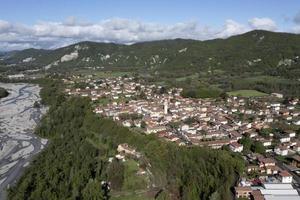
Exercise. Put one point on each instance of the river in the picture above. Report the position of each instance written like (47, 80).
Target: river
(18, 143)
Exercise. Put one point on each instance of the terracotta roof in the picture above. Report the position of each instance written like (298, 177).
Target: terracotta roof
(235, 144)
(285, 173)
(243, 189)
(257, 195)
(296, 157)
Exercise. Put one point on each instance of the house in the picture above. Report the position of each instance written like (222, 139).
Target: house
(236, 147)
(16, 76)
(281, 150)
(266, 142)
(284, 139)
(267, 165)
(235, 134)
(271, 170)
(297, 122)
(252, 134)
(155, 129)
(295, 161)
(252, 168)
(297, 147)
(126, 149)
(285, 177)
(216, 144)
(257, 195)
(284, 112)
(290, 133)
(277, 95)
(265, 162)
(243, 191)
(126, 123)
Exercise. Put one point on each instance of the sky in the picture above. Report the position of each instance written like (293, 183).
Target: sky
(55, 23)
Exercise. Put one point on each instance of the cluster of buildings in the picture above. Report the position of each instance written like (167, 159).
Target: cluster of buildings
(203, 122)
(214, 123)
(266, 180)
(273, 189)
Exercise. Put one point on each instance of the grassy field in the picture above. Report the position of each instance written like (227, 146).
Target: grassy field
(104, 74)
(193, 76)
(132, 181)
(107, 74)
(246, 93)
(134, 186)
(132, 197)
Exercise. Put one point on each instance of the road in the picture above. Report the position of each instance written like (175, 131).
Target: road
(18, 144)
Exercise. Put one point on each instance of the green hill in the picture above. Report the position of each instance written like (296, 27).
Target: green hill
(233, 53)
(219, 62)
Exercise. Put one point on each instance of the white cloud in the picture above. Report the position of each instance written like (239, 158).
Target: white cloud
(4, 26)
(263, 24)
(47, 34)
(296, 29)
(296, 18)
(232, 27)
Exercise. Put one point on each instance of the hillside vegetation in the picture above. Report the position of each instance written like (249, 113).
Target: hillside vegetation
(259, 60)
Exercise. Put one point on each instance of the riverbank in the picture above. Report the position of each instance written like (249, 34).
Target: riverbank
(18, 119)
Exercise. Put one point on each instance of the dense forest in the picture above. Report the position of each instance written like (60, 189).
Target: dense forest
(3, 92)
(75, 161)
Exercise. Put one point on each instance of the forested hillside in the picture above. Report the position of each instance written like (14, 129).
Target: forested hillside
(255, 51)
(260, 60)
(76, 160)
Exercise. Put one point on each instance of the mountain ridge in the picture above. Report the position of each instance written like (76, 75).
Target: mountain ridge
(219, 61)
(149, 49)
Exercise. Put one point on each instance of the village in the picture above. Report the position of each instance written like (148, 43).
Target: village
(263, 130)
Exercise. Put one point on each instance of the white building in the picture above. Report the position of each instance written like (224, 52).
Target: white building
(285, 139)
(16, 76)
(279, 191)
(236, 147)
(285, 177)
(166, 107)
(283, 151)
(278, 95)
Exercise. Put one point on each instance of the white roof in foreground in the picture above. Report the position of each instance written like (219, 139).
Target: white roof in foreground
(290, 192)
(271, 197)
(278, 186)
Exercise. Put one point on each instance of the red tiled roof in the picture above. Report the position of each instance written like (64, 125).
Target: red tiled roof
(285, 173)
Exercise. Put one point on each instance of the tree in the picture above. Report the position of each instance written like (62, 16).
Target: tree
(224, 95)
(142, 95)
(162, 90)
(190, 93)
(143, 124)
(265, 132)
(247, 143)
(258, 147)
(115, 174)
(3, 93)
(190, 120)
(36, 104)
(137, 88)
(92, 191)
